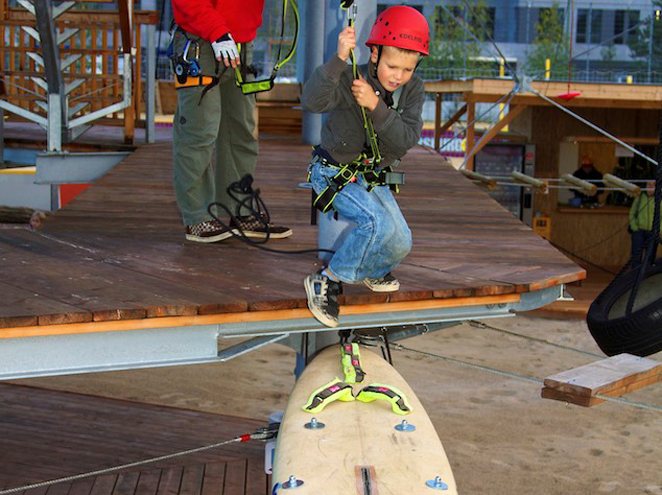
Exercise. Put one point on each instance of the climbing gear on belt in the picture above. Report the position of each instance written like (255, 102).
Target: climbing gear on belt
(185, 66)
(194, 81)
(332, 391)
(374, 391)
(250, 87)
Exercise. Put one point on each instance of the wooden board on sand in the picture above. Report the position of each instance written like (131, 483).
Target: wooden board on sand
(359, 450)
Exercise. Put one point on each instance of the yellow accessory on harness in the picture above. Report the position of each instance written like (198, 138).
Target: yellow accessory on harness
(332, 391)
(398, 400)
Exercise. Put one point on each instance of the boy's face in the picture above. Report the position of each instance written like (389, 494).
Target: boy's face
(395, 66)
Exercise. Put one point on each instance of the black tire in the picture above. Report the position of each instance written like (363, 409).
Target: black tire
(639, 333)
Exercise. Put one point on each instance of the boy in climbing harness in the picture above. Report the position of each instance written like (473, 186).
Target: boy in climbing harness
(214, 121)
(374, 118)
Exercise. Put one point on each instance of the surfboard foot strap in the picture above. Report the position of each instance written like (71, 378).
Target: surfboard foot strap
(332, 391)
(398, 400)
(350, 359)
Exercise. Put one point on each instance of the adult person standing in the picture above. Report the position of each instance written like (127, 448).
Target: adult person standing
(588, 172)
(214, 143)
(640, 225)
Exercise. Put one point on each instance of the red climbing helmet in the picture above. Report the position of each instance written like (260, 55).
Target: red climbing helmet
(402, 27)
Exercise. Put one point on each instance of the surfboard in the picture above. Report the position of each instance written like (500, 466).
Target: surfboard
(362, 448)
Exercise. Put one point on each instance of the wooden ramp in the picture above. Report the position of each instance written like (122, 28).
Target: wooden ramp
(48, 435)
(115, 259)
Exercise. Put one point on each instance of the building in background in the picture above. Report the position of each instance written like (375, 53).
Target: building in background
(599, 34)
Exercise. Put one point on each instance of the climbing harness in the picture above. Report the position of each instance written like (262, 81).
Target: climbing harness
(348, 172)
(250, 87)
(350, 358)
(376, 391)
(340, 390)
(331, 392)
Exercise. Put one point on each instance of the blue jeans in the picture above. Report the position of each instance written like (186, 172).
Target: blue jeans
(381, 238)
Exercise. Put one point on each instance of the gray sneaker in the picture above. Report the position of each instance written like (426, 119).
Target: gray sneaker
(388, 283)
(207, 231)
(323, 295)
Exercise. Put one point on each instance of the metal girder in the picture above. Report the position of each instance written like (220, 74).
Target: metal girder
(22, 112)
(145, 348)
(77, 108)
(38, 59)
(49, 46)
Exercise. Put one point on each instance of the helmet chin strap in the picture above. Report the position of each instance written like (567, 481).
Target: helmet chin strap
(379, 57)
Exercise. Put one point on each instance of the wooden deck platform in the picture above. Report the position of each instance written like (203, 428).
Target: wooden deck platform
(48, 435)
(116, 259)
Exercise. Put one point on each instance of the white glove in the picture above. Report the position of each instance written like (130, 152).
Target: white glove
(225, 49)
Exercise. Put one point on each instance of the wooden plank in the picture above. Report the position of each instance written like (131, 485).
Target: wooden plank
(26, 307)
(214, 479)
(148, 483)
(192, 478)
(126, 483)
(612, 377)
(235, 477)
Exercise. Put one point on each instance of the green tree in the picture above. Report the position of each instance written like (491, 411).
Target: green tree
(551, 43)
(646, 43)
(455, 45)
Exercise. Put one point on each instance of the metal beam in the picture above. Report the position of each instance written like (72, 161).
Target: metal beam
(75, 168)
(25, 357)
(55, 82)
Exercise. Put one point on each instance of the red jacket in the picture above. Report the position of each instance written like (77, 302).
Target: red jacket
(211, 19)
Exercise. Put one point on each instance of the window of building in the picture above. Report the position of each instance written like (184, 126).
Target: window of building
(589, 26)
(527, 22)
(625, 24)
(482, 24)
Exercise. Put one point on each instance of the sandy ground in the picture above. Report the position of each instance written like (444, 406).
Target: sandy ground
(480, 386)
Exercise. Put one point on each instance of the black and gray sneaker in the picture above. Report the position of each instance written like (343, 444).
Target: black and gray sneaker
(207, 231)
(388, 283)
(253, 226)
(323, 295)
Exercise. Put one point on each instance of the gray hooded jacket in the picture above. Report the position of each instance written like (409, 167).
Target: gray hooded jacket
(329, 91)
